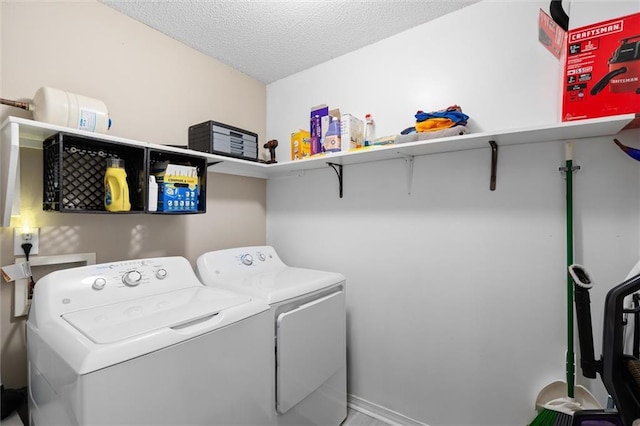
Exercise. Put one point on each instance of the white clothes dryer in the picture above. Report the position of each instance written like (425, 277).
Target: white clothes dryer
(144, 342)
(308, 355)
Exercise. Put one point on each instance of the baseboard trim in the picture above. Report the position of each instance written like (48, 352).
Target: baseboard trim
(381, 413)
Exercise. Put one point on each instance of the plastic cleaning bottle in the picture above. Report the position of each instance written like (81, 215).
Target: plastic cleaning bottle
(116, 190)
(55, 106)
(369, 130)
(332, 138)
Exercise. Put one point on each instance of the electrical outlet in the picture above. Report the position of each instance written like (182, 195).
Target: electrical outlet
(20, 238)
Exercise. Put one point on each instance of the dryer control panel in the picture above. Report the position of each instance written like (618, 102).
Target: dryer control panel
(248, 258)
(240, 262)
(259, 272)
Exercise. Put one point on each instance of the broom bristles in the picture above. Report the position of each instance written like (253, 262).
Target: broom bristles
(548, 417)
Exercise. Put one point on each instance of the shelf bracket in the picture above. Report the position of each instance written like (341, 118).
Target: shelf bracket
(408, 165)
(494, 165)
(338, 169)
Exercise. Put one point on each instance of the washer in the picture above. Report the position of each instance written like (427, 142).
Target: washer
(308, 356)
(144, 342)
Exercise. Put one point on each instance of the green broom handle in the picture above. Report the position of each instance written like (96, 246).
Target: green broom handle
(570, 355)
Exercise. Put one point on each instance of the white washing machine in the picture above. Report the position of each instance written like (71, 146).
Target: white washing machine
(144, 342)
(308, 355)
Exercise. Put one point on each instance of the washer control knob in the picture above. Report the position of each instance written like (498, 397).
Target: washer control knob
(132, 278)
(161, 274)
(246, 259)
(262, 257)
(99, 283)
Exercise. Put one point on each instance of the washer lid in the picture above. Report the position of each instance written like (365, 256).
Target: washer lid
(119, 321)
(284, 283)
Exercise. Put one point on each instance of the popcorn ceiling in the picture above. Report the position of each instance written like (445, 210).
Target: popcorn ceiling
(271, 39)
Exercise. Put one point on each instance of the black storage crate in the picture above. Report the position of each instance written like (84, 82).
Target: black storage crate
(156, 156)
(74, 169)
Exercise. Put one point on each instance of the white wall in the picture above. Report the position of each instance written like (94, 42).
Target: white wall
(482, 58)
(456, 294)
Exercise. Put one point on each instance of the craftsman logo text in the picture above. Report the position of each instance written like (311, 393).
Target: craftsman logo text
(613, 27)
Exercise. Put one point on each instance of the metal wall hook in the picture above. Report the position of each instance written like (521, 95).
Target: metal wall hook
(563, 169)
(494, 165)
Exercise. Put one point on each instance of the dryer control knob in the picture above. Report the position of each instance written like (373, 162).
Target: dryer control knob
(99, 283)
(262, 257)
(132, 278)
(246, 259)
(161, 274)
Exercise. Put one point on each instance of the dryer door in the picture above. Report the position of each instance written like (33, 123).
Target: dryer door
(311, 347)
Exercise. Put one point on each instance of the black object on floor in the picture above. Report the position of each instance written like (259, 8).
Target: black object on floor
(14, 400)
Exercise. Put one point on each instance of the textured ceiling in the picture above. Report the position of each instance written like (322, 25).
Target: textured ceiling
(272, 39)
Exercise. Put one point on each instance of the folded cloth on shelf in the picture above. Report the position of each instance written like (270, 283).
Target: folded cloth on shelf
(436, 120)
(433, 124)
(443, 133)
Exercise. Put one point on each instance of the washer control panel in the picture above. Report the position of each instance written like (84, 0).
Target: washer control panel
(128, 273)
(87, 286)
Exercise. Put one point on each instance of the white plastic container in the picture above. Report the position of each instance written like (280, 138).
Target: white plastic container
(153, 194)
(62, 108)
(369, 131)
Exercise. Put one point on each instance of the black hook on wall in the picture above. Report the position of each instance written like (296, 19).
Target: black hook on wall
(494, 165)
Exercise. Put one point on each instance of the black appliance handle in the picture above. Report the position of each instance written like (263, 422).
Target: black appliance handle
(616, 376)
(582, 284)
(636, 326)
(605, 80)
(558, 14)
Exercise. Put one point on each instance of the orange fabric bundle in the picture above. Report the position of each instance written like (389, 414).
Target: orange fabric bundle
(433, 124)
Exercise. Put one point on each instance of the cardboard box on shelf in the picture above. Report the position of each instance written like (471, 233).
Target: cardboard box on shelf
(177, 188)
(602, 70)
(550, 34)
(300, 144)
(351, 129)
(319, 125)
(319, 128)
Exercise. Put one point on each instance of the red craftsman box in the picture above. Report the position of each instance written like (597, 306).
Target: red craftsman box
(602, 70)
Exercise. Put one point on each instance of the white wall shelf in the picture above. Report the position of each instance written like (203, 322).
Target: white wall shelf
(606, 126)
(581, 129)
(20, 132)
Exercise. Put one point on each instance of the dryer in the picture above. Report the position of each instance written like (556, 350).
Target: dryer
(144, 342)
(308, 354)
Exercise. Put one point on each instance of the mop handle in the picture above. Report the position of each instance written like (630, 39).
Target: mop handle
(570, 359)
